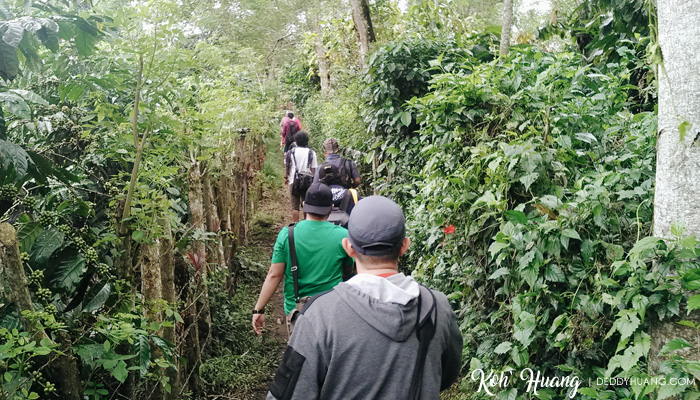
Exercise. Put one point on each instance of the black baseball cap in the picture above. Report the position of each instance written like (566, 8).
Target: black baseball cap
(376, 226)
(319, 199)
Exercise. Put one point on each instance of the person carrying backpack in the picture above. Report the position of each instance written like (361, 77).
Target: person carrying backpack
(290, 126)
(343, 199)
(380, 335)
(350, 177)
(300, 166)
(318, 256)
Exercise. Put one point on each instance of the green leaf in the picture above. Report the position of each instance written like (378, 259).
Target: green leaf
(14, 157)
(554, 274)
(497, 247)
(499, 273)
(69, 272)
(9, 62)
(516, 216)
(120, 372)
(164, 345)
(694, 302)
(570, 233)
(508, 394)
(99, 300)
(645, 244)
(406, 118)
(529, 179)
(48, 241)
(14, 33)
(27, 234)
(16, 105)
(524, 328)
(675, 344)
(143, 349)
(503, 348)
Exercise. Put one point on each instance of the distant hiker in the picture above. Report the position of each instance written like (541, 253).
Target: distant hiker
(320, 258)
(290, 126)
(350, 177)
(343, 199)
(300, 166)
(380, 335)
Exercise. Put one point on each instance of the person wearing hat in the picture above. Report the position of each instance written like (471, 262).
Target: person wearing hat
(321, 258)
(380, 335)
(347, 168)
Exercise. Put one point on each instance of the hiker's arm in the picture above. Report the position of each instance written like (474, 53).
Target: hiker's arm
(274, 276)
(356, 179)
(452, 355)
(303, 369)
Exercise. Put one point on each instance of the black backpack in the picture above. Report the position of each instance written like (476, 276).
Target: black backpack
(339, 215)
(344, 172)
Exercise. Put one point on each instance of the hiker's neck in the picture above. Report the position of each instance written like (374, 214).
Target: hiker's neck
(388, 267)
(314, 217)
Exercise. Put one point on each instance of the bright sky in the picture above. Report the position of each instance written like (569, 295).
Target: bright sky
(540, 6)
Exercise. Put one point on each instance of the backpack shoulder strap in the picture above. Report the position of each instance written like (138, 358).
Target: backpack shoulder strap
(354, 194)
(310, 158)
(295, 264)
(346, 201)
(425, 330)
(314, 298)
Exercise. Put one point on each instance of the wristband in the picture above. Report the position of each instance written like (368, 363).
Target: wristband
(260, 311)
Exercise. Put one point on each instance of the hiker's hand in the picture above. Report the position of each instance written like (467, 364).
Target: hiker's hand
(286, 180)
(258, 323)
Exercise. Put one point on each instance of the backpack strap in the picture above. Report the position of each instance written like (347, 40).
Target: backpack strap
(425, 330)
(354, 194)
(314, 298)
(346, 201)
(310, 159)
(295, 264)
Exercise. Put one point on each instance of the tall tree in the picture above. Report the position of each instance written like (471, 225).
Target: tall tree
(506, 26)
(363, 25)
(677, 176)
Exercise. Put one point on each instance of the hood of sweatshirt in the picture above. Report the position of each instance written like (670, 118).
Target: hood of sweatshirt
(393, 319)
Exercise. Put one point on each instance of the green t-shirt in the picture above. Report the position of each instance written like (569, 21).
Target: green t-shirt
(320, 255)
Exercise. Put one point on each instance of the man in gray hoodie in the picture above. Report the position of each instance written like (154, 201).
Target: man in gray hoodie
(360, 340)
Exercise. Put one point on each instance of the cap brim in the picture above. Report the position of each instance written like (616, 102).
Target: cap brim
(320, 210)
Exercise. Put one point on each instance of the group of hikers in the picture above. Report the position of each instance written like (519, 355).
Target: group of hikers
(359, 328)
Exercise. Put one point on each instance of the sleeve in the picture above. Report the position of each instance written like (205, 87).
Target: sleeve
(354, 172)
(279, 252)
(452, 354)
(302, 371)
(314, 161)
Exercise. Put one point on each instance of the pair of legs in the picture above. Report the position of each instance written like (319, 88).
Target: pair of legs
(297, 204)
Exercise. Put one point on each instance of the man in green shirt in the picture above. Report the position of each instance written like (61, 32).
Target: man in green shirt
(320, 255)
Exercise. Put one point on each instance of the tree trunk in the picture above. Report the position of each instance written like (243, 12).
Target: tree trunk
(13, 287)
(212, 218)
(506, 26)
(324, 67)
(199, 255)
(676, 200)
(188, 347)
(363, 25)
(167, 274)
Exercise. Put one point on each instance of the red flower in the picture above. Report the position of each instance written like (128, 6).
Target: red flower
(449, 230)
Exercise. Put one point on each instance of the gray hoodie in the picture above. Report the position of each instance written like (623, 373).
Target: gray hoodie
(350, 345)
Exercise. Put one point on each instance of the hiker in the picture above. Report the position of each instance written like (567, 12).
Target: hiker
(290, 126)
(319, 253)
(301, 164)
(380, 335)
(343, 199)
(348, 169)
